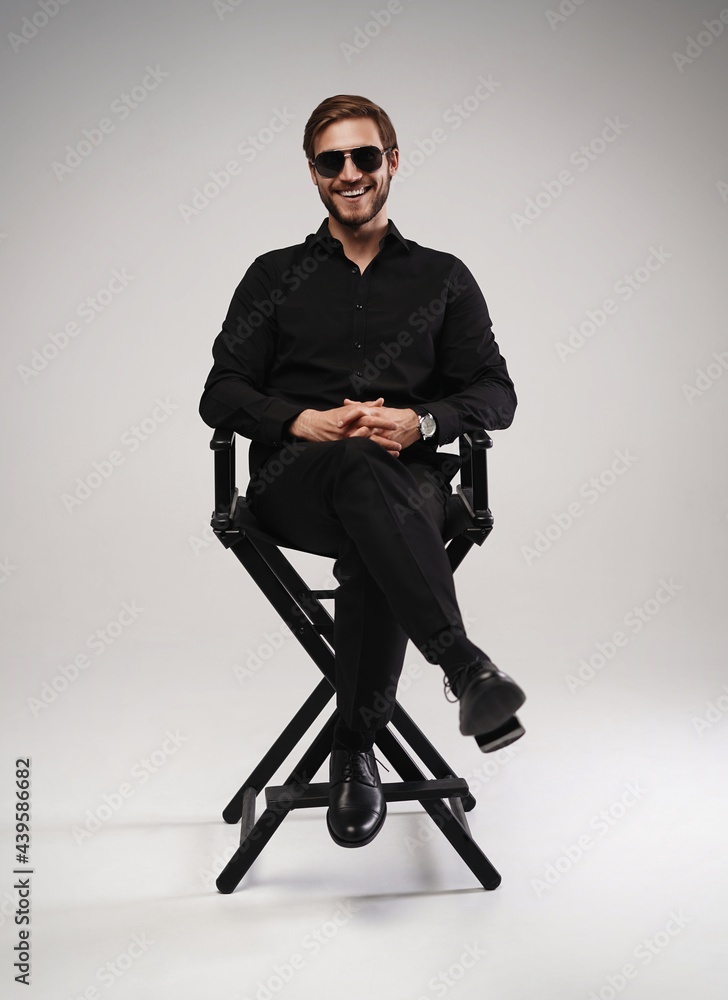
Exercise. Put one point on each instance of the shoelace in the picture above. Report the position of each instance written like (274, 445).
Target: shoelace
(348, 769)
(451, 684)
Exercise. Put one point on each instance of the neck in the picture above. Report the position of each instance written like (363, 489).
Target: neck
(359, 240)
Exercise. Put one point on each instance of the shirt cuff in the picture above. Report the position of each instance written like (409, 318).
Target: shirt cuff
(446, 418)
(273, 423)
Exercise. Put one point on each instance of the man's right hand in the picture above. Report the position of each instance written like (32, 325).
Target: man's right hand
(333, 425)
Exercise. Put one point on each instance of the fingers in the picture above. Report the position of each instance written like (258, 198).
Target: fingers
(393, 447)
(367, 402)
(374, 417)
(350, 415)
(367, 418)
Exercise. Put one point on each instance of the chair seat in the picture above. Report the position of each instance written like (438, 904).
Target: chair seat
(457, 520)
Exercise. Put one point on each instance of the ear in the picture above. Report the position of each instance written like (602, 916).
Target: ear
(393, 158)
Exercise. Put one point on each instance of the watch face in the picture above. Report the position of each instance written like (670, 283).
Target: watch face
(428, 425)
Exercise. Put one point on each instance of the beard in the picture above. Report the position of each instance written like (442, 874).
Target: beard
(357, 216)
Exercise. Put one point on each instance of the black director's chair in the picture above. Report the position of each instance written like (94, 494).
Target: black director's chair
(445, 796)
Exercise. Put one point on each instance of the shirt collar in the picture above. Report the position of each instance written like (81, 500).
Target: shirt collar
(324, 236)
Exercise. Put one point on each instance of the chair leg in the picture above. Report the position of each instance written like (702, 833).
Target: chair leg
(253, 841)
(451, 822)
(430, 757)
(464, 844)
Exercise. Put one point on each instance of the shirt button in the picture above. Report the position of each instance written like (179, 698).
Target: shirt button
(357, 343)
(355, 270)
(359, 307)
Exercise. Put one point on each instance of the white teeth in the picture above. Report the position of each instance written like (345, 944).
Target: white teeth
(351, 194)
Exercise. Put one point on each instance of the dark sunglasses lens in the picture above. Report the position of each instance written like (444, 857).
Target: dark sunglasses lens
(329, 164)
(367, 158)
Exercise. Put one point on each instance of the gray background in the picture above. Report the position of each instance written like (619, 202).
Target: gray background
(204, 657)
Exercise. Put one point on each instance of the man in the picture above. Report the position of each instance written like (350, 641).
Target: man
(347, 360)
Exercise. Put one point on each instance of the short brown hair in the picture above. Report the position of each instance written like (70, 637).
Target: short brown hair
(334, 109)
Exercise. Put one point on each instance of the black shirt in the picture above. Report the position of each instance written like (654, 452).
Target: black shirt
(306, 328)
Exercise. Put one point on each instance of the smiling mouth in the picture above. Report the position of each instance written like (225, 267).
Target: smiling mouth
(353, 193)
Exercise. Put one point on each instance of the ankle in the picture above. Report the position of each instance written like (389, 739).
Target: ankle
(353, 739)
(451, 648)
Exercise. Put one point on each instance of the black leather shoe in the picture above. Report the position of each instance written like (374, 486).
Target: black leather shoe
(357, 807)
(488, 697)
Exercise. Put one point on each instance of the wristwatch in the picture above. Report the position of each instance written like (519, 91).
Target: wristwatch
(428, 426)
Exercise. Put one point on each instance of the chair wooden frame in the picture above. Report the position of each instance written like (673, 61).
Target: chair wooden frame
(444, 796)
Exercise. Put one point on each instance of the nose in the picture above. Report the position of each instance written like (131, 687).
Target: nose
(350, 171)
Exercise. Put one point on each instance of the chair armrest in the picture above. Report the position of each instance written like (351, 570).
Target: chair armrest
(222, 438)
(226, 494)
(473, 489)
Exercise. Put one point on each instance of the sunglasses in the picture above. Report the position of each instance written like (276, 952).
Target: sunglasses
(366, 158)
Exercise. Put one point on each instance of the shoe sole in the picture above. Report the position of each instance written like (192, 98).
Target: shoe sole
(494, 702)
(356, 843)
(501, 737)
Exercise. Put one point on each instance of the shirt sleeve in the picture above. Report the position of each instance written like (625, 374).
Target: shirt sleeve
(478, 391)
(242, 352)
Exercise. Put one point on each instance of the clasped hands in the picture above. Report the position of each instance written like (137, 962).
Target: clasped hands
(394, 429)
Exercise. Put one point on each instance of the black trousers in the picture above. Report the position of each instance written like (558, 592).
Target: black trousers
(382, 518)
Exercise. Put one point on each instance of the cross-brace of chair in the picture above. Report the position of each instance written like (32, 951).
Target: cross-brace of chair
(445, 797)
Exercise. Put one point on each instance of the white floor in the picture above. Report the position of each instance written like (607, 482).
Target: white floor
(607, 822)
